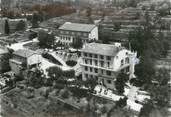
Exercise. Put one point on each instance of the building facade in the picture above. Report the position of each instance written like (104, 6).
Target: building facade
(103, 62)
(23, 59)
(12, 23)
(68, 32)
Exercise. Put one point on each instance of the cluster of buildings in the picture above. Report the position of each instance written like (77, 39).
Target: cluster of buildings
(102, 62)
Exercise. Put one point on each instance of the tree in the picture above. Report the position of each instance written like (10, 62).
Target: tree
(121, 103)
(162, 76)
(88, 14)
(91, 83)
(35, 78)
(145, 70)
(7, 29)
(77, 43)
(21, 25)
(120, 82)
(32, 35)
(34, 20)
(45, 40)
(5, 62)
(160, 95)
(146, 109)
(54, 72)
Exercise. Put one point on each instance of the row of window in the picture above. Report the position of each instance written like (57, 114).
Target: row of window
(95, 70)
(126, 61)
(74, 33)
(101, 63)
(96, 56)
(66, 38)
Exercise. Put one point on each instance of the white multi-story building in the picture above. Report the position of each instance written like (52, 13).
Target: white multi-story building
(68, 32)
(104, 62)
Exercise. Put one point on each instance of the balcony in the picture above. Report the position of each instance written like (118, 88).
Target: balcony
(98, 67)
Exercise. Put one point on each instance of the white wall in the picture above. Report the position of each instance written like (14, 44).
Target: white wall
(94, 34)
(117, 60)
(34, 59)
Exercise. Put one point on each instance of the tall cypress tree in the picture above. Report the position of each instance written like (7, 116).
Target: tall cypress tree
(7, 30)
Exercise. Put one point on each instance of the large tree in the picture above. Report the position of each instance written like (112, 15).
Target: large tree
(7, 28)
(35, 78)
(45, 40)
(21, 26)
(120, 82)
(5, 62)
(77, 43)
(35, 20)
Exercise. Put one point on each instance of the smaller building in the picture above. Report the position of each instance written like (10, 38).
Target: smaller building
(23, 59)
(68, 32)
(12, 23)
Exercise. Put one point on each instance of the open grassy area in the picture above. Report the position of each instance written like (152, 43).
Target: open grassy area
(16, 104)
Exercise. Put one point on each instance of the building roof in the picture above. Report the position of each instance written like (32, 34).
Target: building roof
(77, 27)
(24, 53)
(3, 51)
(102, 49)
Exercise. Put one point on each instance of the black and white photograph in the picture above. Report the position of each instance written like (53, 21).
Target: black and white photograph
(85, 58)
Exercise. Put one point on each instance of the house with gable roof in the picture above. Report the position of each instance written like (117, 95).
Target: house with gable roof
(24, 58)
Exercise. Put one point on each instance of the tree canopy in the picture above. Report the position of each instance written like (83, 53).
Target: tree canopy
(45, 40)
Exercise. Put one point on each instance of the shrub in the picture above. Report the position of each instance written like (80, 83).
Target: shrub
(69, 74)
(71, 63)
(64, 93)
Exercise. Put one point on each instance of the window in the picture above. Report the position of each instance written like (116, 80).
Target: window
(67, 32)
(91, 76)
(102, 63)
(101, 56)
(127, 69)
(108, 58)
(108, 64)
(95, 56)
(91, 70)
(86, 75)
(127, 60)
(122, 62)
(126, 53)
(85, 54)
(96, 64)
(86, 68)
(96, 77)
(108, 73)
(61, 32)
(86, 62)
(109, 81)
(90, 55)
(102, 72)
(90, 62)
(96, 70)
(79, 33)
(85, 34)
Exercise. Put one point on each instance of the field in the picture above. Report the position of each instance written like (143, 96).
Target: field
(16, 104)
